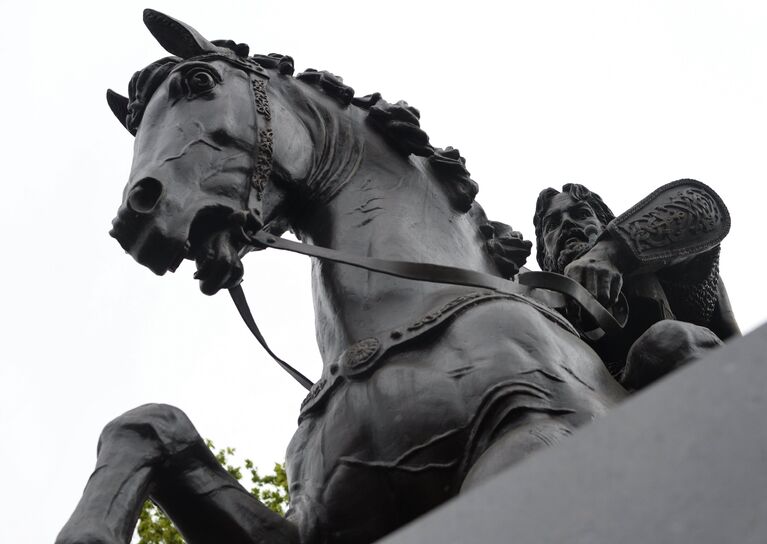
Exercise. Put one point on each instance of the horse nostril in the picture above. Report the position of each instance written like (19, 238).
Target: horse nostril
(145, 195)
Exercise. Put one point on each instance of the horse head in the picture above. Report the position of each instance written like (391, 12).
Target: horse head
(207, 164)
(201, 140)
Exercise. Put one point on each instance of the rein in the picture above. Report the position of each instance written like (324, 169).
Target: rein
(554, 286)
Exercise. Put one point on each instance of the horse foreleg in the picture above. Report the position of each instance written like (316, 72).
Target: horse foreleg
(131, 450)
(155, 451)
(209, 506)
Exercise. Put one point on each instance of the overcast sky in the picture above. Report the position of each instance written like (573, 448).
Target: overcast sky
(620, 96)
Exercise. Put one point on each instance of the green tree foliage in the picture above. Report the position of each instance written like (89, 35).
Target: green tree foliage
(154, 527)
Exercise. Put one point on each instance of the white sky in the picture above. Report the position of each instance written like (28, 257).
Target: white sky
(620, 96)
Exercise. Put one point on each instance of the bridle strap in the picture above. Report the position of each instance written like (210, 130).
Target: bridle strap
(262, 170)
(238, 296)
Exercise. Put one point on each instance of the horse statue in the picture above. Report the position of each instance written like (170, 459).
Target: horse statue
(427, 388)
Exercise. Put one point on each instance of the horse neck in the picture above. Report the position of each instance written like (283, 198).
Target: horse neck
(317, 142)
(347, 189)
(388, 214)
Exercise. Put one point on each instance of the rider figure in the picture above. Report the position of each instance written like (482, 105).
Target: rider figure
(663, 254)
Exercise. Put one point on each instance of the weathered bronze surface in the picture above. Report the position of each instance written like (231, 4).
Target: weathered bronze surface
(663, 254)
(427, 388)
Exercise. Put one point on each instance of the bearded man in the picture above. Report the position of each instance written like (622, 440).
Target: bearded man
(663, 254)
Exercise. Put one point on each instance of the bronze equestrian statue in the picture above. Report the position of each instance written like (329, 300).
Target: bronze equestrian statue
(427, 387)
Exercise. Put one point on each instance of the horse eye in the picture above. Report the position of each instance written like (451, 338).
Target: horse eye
(200, 81)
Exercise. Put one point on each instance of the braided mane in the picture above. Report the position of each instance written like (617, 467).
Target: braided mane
(400, 124)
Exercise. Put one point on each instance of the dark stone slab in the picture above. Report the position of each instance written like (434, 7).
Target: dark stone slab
(684, 461)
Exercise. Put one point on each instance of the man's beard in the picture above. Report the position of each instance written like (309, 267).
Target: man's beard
(575, 243)
(569, 253)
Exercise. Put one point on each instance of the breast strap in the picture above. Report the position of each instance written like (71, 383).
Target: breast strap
(362, 358)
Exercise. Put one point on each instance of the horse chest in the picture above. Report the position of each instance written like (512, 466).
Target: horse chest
(384, 451)
(386, 448)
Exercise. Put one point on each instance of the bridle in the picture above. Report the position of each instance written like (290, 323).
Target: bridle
(252, 236)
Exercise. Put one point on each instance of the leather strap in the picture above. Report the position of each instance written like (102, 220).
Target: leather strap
(432, 273)
(458, 276)
(562, 284)
(238, 296)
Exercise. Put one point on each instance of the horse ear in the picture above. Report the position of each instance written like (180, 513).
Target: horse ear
(177, 38)
(119, 106)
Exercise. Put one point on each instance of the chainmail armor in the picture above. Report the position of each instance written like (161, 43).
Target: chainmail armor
(692, 288)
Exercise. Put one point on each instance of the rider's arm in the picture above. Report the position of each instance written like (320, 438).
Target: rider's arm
(670, 227)
(674, 224)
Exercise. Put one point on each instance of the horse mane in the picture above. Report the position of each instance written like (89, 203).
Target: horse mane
(142, 86)
(507, 247)
(398, 123)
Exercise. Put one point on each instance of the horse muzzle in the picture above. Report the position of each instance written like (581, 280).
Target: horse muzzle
(159, 229)
(143, 229)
